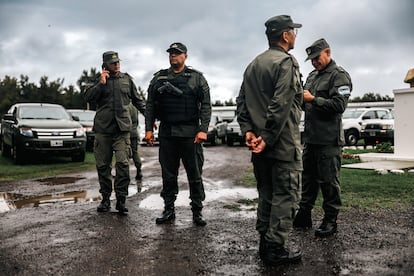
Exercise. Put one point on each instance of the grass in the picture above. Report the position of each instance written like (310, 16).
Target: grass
(364, 188)
(43, 168)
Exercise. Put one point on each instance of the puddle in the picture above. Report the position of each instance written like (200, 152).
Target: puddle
(12, 201)
(155, 202)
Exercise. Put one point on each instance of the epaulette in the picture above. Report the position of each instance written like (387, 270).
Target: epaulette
(190, 69)
(162, 72)
(128, 75)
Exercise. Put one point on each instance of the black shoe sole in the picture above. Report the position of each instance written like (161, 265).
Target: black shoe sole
(324, 235)
(200, 223)
(166, 221)
(282, 261)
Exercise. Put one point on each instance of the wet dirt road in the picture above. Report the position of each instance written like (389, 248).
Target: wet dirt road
(53, 229)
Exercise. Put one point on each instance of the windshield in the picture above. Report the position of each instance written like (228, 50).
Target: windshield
(352, 114)
(84, 116)
(43, 112)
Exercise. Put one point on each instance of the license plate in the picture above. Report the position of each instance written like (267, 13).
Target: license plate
(56, 143)
(372, 134)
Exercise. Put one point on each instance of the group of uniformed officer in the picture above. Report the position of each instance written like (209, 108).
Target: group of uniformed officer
(269, 108)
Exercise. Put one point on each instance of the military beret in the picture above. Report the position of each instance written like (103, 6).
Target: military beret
(315, 49)
(177, 46)
(279, 23)
(110, 57)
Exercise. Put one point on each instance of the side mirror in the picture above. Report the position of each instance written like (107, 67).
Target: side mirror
(8, 117)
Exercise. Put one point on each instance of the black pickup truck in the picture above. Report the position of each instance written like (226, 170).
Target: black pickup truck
(32, 129)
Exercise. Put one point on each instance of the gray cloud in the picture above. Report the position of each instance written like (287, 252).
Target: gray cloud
(371, 39)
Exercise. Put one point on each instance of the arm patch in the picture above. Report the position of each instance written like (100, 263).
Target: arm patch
(344, 90)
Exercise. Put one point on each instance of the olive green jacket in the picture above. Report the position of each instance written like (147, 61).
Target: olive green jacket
(198, 84)
(323, 117)
(269, 103)
(112, 100)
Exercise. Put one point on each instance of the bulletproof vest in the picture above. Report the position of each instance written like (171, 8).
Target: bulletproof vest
(177, 108)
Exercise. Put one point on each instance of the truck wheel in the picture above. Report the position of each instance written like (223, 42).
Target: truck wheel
(5, 150)
(229, 142)
(351, 137)
(17, 154)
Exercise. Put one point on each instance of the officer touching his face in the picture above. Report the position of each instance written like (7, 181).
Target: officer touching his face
(112, 124)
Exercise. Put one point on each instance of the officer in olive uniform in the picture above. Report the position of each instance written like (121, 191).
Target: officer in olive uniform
(112, 124)
(134, 136)
(180, 98)
(326, 94)
(269, 111)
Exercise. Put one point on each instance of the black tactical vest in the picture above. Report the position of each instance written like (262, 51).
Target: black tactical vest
(175, 108)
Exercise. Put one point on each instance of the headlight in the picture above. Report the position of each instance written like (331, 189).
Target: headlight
(26, 132)
(89, 128)
(210, 128)
(80, 132)
(387, 126)
(363, 127)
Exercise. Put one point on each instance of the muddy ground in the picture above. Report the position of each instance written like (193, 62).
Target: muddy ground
(53, 229)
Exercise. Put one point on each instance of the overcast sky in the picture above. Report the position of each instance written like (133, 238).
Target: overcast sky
(373, 40)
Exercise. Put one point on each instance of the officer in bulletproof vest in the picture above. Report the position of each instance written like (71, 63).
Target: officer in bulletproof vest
(112, 94)
(180, 98)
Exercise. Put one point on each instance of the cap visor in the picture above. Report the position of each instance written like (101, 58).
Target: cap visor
(297, 25)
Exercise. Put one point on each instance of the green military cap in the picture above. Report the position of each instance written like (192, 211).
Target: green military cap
(315, 49)
(110, 57)
(279, 23)
(177, 46)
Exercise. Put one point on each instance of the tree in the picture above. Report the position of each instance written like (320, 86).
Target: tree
(371, 97)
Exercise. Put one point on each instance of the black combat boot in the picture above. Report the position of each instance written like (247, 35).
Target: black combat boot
(120, 205)
(275, 254)
(262, 246)
(105, 204)
(303, 220)
(327, 228)
(168, 215)
(198, 218)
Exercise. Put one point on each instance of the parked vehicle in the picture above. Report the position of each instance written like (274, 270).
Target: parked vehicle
(85, 118)
(353, 118)
(216, 130)
(375, 131)
(233, 133)
(29, 129)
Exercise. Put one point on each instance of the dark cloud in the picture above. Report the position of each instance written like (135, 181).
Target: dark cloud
(371, 39)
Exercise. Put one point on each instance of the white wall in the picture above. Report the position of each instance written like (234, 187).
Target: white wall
(404, 122)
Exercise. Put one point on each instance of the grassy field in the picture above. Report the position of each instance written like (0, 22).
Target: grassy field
(365, 188)
(43, 168)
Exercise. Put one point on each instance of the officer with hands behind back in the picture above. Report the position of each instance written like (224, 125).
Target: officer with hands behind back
(326, 94)
(269, 111)
(112, 124)
(180, 98)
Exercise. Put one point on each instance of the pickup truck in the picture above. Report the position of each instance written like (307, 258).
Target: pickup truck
(29, 130)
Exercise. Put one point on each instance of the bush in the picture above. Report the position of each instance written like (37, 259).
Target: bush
(385, 147)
